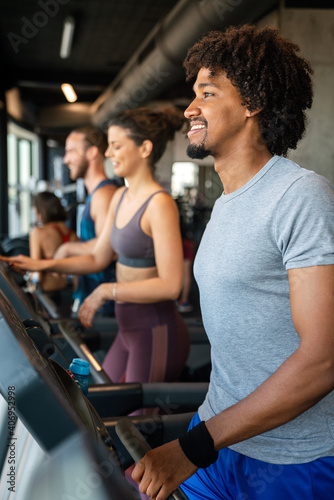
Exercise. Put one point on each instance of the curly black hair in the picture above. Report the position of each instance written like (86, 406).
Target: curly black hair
(269, 74)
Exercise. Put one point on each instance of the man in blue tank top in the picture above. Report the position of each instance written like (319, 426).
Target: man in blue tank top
(265, 271)
(84, 156)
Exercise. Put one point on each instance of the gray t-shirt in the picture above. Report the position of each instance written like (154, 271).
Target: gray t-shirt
(281, 219)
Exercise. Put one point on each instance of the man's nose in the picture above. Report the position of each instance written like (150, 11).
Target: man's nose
(192, 110)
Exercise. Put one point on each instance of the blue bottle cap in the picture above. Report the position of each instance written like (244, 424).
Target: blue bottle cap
(79, 366)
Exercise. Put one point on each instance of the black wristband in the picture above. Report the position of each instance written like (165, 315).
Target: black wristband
(198, 446)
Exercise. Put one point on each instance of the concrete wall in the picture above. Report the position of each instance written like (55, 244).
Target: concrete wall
(313, 31)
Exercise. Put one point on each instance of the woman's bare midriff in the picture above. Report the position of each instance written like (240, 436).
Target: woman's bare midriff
(126, 274)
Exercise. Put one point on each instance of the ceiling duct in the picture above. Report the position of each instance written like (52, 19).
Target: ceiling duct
(157, 63)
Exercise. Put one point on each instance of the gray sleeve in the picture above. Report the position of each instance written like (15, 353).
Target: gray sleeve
(304, 223)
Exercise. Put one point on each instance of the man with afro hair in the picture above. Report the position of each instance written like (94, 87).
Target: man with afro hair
(265, 270)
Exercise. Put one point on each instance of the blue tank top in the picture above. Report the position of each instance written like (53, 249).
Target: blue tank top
(133, 246)
(88, 282)
(87, 227)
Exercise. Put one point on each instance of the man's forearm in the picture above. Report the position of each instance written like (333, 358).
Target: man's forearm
(295, 387)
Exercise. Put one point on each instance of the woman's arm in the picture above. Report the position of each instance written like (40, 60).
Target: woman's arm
(36, 243)
(163, 219)
(35, 246)
(77, 247)
(165, 228)
(100, 257)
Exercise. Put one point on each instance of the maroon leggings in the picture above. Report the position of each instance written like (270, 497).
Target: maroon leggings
(152, 344)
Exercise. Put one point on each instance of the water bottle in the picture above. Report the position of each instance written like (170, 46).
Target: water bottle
(79, 368)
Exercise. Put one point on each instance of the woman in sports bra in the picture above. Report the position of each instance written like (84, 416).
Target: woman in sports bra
(49, 233)
(143, 233)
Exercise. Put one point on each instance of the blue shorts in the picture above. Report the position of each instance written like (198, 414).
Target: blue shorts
(237, 477)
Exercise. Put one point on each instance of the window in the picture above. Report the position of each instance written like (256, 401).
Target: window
(184, 176)
(23, 173)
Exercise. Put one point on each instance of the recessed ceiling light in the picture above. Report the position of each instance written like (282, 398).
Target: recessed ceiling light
(67, 37)
(69, 92)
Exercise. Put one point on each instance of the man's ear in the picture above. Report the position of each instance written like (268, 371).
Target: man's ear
(92, 152)
(146, 148)
(255, 112)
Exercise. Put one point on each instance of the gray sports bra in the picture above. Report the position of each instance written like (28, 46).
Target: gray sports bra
(133, 246)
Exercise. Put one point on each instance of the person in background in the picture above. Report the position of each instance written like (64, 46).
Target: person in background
(44, 239)
(265, 271)
(142, 231)
(84, 155)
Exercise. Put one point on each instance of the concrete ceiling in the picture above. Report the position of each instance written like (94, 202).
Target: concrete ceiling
(113, 40)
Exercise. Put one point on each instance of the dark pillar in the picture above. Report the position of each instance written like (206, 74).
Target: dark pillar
(43, 158)
(3, 168)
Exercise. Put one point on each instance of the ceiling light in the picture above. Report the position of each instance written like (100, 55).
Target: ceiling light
(69, 92)
(67, 37)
